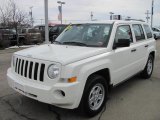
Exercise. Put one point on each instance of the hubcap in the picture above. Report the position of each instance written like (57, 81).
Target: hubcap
(149, 66)
(96, 96)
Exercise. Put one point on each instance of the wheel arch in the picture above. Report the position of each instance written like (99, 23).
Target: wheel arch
(152, 53)
(105, 72)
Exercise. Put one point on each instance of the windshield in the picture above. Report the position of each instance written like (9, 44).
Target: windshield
(86, 35)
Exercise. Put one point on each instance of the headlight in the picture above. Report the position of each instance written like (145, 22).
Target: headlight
(53, 71)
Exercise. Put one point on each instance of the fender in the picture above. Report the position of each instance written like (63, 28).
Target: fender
(83, 69)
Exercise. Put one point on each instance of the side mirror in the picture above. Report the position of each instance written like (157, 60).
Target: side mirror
(121, 43)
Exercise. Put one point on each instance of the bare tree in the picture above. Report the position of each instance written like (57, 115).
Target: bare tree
(12, 16)
(4, 15)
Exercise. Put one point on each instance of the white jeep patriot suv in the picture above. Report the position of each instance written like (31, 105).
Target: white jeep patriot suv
(84, 61)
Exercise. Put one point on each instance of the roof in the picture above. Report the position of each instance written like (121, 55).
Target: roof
(50, 25)
(109, 22)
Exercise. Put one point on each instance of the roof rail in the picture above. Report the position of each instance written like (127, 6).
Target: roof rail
(135, 20)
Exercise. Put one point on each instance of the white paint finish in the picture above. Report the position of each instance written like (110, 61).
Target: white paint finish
(61, 53)
(81, 62)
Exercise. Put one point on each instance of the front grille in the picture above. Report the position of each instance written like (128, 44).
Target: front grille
(30, 69)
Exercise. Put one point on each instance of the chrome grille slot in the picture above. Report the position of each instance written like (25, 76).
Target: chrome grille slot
(30, 69)
(42, 72)
(19, 62)
(36, 71)
(26, 69)
(22, 66)
(16, 65)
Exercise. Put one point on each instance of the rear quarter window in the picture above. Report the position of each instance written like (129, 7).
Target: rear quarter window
(138, 31)
(148, 31)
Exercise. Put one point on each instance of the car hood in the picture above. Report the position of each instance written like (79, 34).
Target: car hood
(63, 54)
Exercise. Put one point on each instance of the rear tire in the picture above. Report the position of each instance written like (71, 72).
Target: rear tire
(94, 96)
(147, 72)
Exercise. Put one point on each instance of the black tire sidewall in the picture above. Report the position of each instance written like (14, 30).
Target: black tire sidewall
(92, 81)
(145, 73)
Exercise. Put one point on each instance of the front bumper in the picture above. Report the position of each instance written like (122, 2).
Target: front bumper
(43, 93)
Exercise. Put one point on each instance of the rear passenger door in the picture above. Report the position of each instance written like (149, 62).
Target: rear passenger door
(140, 46)
(150, 39)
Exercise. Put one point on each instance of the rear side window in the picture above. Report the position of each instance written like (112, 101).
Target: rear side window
(139, 33)
(148, 31)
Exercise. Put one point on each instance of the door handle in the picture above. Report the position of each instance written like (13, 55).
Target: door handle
(134, 50)
(146, 46)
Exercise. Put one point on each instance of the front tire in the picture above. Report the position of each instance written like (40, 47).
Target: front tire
(94, 96)
(147, 72)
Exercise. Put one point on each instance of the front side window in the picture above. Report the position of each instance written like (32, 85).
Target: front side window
(86, 34)
(139, 33)
(148, 31)
(123, 32)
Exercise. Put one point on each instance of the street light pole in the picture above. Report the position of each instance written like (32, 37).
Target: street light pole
(91, 16)
(152, 13)
(147, 13)
(46, 22)
(31, 15)
(61, 3)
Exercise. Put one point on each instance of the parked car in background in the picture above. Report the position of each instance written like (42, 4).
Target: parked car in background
(4, 41)
(13, 37)
(55, 31)
(156, 32)
(10, 34)
(7, 37)
(41, 28)
(29, 36)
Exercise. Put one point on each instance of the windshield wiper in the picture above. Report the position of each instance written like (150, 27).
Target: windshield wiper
(75, 43)
(57, 42)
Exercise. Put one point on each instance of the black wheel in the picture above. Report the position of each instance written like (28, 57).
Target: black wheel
(94, 96)
(147, 72)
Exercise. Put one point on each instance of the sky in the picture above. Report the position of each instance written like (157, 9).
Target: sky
(80, 10)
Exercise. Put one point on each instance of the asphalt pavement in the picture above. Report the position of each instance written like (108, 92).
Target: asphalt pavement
(135, 99)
